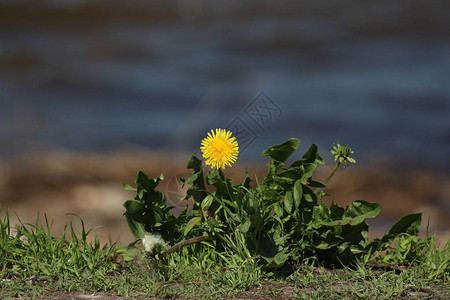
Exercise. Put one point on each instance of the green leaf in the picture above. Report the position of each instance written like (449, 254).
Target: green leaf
(307, 171)
(355, 234)
(142, 180)
(129, 187)
(267, 247)
(289, 175)
(134, 209)
(244, 227)
(278, 237)
(267, 193)
(280, 259)
(206, 203)
(309, 198)
(336, 212)
(281, 153)
(408, 224)
(193, 177)
(194, 163)
(297, 193)
(355, 214)
(213, 223)
(288, 202)
(327, 237)
(312, 155)
(278, 209)
(192, 222)
(137, 229)
(129, 252)
(196, 179)
(316, 184)
(247, 180)
(360, 210)
(322, 245)
(144, 184)
(320, 212)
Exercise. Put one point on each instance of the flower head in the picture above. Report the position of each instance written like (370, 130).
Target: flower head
(219, 148)
(342, 154)
(150, 241)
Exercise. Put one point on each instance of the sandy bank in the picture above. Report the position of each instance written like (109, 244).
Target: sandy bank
(90, 185)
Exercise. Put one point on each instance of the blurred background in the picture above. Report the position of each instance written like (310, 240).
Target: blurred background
(93, 91)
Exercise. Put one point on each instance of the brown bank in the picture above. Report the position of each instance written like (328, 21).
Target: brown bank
(90, 185)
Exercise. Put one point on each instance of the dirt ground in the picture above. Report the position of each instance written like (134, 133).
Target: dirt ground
(90, 185)
(266, 290)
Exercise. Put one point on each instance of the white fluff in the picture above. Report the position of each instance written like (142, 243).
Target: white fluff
(150, 241)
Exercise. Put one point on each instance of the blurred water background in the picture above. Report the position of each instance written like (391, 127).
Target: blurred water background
(106, 76)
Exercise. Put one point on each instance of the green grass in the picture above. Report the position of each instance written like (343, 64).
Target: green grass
(34, 263)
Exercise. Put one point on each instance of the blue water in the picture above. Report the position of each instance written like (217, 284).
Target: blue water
(162, 85)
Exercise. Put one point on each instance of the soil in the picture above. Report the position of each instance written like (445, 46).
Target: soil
(264, 291)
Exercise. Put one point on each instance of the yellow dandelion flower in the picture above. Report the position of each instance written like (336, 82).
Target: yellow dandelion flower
(219, 148)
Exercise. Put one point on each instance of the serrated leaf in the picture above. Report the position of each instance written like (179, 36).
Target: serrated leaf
(144, 184)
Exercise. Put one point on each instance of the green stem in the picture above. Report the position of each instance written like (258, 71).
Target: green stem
(222, 176)
(332, 172)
